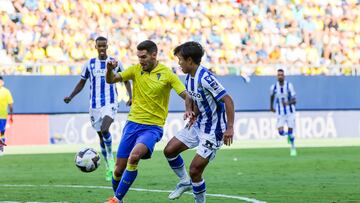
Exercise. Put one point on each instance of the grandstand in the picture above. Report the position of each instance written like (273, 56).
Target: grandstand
(55, 37)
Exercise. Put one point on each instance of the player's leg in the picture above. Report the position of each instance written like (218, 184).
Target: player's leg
(107, 139)
(184, 139)
(127, 143)
(2, 135)
(291, 137)
(206, 151)
(96, 122)
(102, 147)
(119, 169)
(2, 142)
(146, 138)
(197, 167)
(172, 153)
(280, 125)
(130, 173)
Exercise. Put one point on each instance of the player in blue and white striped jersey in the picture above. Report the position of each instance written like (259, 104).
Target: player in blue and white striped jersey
(283, 94)
(103, 99)
(212, 126)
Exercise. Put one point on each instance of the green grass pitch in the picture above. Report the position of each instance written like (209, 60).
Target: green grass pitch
(316, 175)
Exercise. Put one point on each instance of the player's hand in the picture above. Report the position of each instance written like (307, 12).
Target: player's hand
(228, 136)
(285, 103)
(129, 102)
(272, 110)
(190, 116)
(67, 99)
(110, 65)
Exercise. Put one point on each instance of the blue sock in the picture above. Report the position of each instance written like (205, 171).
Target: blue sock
(291, 136)
(199, 190)
(176, 162)
(178, 166)
(127, 179)
(108, 142)
(103, 150)
(115, 182)
(281, 132)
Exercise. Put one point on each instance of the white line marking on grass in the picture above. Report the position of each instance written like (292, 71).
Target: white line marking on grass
(246, 199)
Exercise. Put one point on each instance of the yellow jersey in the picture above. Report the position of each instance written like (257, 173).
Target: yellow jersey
(5, 100)
(151, 93)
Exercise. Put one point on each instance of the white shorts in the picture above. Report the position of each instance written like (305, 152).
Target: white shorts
(288, 119)
(206, 143)
(97, 115)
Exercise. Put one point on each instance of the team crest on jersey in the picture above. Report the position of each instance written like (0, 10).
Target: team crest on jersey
(212, 82)
(158, 75)
(209, 79)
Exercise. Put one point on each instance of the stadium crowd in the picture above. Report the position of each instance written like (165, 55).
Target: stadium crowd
(238, 35)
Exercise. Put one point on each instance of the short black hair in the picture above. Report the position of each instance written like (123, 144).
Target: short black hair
(280, 70)
(100, 38)
(1, 78)
(147, 45)
(192, 50)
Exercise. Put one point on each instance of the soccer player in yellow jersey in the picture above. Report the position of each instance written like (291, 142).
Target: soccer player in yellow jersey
(152, 83)
(6, 102)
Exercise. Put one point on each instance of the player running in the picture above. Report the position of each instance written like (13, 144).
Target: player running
(283, 94)
(152, 83)
(103, 100)
(213, 125)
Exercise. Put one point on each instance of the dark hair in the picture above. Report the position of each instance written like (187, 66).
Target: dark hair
(1, 78)
(280, 70)
(100, 38)
(191, 49)
(147, 45)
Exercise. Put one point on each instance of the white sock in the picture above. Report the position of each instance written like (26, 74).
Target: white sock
(108, 146)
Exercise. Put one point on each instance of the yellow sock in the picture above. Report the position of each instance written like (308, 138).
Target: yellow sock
(131, 167)
(115, 177)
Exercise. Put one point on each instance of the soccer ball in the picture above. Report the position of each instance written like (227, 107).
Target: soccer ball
(87, 160)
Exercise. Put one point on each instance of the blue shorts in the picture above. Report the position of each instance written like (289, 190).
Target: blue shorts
(134, 133)
(2, 125)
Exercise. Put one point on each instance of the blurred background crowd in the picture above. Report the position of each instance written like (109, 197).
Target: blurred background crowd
(309, 37)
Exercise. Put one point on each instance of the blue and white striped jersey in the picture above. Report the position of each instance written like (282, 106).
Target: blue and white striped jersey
(207, 92)
(101, 93)
(283, 93)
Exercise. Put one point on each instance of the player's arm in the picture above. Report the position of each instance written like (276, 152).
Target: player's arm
(191, 111)
(80, 85)
(11, 112)
(10, 102)
(272, 97)
(230, 114)
(127, 85)
(291, 101)
(111, 77)
(219, 93)
(128, 89)
(179, 87)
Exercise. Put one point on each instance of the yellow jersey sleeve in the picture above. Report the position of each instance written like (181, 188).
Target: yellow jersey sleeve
(128, 74)
(176, 83)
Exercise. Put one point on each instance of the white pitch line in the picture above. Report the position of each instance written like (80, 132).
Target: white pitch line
(246, 199)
